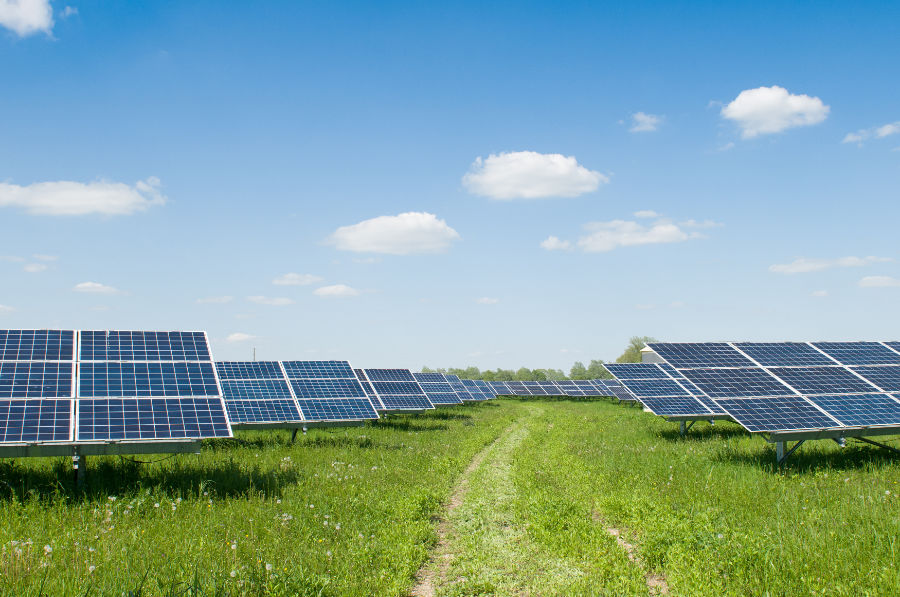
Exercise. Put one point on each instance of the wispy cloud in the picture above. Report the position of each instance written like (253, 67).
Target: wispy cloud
(404, 234)
(293, 279)
(95, 287)
(553, 243)
(275, 301)
(336, 291)
(803, 265)
(487, 300)
(876, 132)
(819, 293)
(6, 309)
(646, 213)
(879, 282)
(26, 17)
(530, 175)
(642, 122)
(34, 268)
(239, 337)
(606, 236)
(767, 110)
(67, 198)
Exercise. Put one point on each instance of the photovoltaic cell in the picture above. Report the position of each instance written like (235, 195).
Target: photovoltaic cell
(397, 389)
(327, 388)
(37, 345)
(635, 371)
(822, 380)
(500, 388)
(105, 345)
(518, 388)
(784, 354)
(25, 379)
(674, 405)
(35, 420)
(860, 409)
(256, 389)
(345, 409)
(151, 419)
(440, 391)
(700, 355)
(473, 389)
(329, 391)
(726, 383)
(859, 353)
(249, 370)
(644, 388)
(784, 413)
(430, 377)
(263, 411)
(318, 369)
(390, 375)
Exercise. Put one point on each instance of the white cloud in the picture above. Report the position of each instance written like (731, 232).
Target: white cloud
(879, 282)
(645, 123)
(646, 213)
(486, 300)
(215, 300)
(65, 198)
(552, 243)
(40, 257)
(68, 12)
(530, 175)
(767, 110)
(606, 236)
(277, 301)
(403, 234)
(239, 337)
(336, 291)
(296, 280)
(819, 293)
(12, 258)
(25, 17)
(803, 265)
(6, 309)
(34, 268)
(876, 132)
(94, 287)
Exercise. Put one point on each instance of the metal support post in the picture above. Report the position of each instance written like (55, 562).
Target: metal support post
(682, 428)
(781, 455)
(879, 444)
(79, 466)
(840, 441)
(294, 435)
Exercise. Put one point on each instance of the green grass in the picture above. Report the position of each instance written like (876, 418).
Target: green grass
(353, 511)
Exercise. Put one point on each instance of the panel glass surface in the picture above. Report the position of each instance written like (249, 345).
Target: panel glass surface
(352, 409)
(35, 420)
(784, 354)
(783, 413)
(635, 371)
(111, 345)
(255, 389)
(327, 388)
(429, 377)
(24, 379)
(37, 345)
(318, 369)
(886, 377)
(700, 355)
(726, 383)
(389, 375)
(860, 410)
(674, 405)
(263, 411)
(249, 370)
(132, 379)
(859, 353)
(151, 419)
(653, 387)
(822, 380)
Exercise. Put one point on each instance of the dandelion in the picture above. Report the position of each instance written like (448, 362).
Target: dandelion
(328, 553)
(156, 505)
(91, 569)
(277, 501)
(233, 573)
(268, 567)
(48, 550)
(337, 527)
(111, 498)
(234, 545)
(720, 536)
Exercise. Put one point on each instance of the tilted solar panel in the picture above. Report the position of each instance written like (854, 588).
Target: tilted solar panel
(822, 380)
(780, 413)
(700, 355)
(500, 388)
(249, 370)
(518, 388)
(437, 388)
(859, 353)
(328, 391)
(35, 420)
(37, 345)
(886, 377)
(726, 383)
(863, 410)
(318, 369)
(635, 371)
(112, 345)
(474, 390)
(784, 354)
(397, 390)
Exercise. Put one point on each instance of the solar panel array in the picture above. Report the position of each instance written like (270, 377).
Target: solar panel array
(328, 391)
(397, 390)
(793, 386)
(437, 388)
(662, 390)
(461, 390)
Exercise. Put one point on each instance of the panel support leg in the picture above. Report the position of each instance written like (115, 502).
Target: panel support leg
(684, 427)
(79, 467)
(781, 454)
(294, 435)
(879, 444)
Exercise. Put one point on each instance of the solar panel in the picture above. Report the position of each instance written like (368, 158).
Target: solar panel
(589, 388)
(37, 345)
(700, 354)
(646, 388)
(328, 391)
(635, 371)
(156, 418)
(474, 390)
(263, 411)
(397, 389)
(367, 386)
(674, 405)
(485, 388)
(618, 390)
(146, 379)
(110, 345)
(782, 413)
(570, 388)
(500, 388)
(726, 383)
(256, 389)
(249, 370)
(861, 409)
(22, 379)
(859, 353)
(518, 388)
(437, 388)
(551, 388)
(783, 354)
(35, 420)
(822, 380)
(534, 388)
(886, 377)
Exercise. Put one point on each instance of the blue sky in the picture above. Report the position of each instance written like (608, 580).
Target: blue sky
(451, 185)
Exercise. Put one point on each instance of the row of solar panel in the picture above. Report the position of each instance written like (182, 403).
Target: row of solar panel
(102, 345)
(772, 387)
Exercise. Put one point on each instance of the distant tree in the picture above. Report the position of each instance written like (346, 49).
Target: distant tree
(524, 374)
(578, 371)
(427, 370)
(632, 353)
(596, 370)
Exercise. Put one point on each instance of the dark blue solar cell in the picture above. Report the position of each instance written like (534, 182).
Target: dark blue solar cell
(860, 409)
(590, 388)
(474, 390)
(389, 375)
(429, 377)
(700, 355)
(249, 370)
(822, 380)
(728, 383)
(113, 345)
(569, 388)
(462, 391)
(618, 390)
(151, 419)
(439, 392)
(262, 411)
(37, 345)
(402, 402)
(500, 388)
(397, 387)
(551, 388)
(352, 409)
(635, 371)
(24, 379)
(535, 388)
(674, 405)
(35, 420)
(453, 378)
(147, 379)
(784, 413)
(784, 354)
(653, 387)
(859, 353)
(327, 388)
(886, 377)
(255, 389)
(318, 369)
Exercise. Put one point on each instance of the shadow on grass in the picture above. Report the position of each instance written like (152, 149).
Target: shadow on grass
(446, 415)
(112, 476)
(702, 432)
(409, 424)
(810, 458)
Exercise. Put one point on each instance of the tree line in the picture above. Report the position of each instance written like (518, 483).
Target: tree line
(594, 370)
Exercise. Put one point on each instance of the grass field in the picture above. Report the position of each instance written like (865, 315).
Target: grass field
(505, 498)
